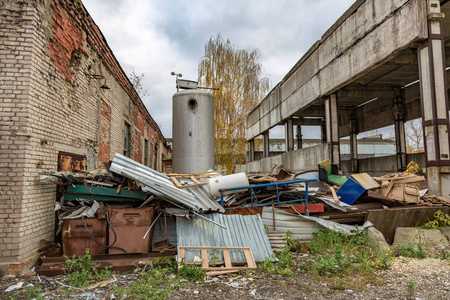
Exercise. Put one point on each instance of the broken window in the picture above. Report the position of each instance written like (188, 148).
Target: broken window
(127, 140)
(146, 154)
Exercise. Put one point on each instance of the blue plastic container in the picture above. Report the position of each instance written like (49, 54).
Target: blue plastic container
(350, 191)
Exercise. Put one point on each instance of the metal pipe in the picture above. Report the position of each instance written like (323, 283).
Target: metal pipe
(251, 187)
(153, 224)
(306, 199)
(266, 184)
(218, 224)
(265, 204)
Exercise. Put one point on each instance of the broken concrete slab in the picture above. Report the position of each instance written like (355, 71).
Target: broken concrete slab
(427, 238)
(446, 232)
(377, 239)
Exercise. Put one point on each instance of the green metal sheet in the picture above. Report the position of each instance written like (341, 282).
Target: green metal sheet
(70, 197)
(107, 193)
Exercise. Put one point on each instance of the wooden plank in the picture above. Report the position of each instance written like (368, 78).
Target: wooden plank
(215, 273)
(387, 221)
(194, 180)
(192, 185)
(335, 196)
(226, 257)
(251, 265)
(180, 254)
(249, 257)
(389, 188)
(175, 182)
(234, 268)
(205, 263)
(206, 247)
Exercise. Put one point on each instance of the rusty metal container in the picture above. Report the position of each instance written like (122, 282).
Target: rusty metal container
(76, 239)
(130, 225)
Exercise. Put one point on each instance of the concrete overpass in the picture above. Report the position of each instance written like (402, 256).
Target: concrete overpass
(382, 63)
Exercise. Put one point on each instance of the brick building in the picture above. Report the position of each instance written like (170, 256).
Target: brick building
(65, 103)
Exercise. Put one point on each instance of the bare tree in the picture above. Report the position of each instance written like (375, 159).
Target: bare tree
(136, 81)
(414, 135)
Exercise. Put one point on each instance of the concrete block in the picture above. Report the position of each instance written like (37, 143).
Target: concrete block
(427, 238)
(446, 232)
(377, 239)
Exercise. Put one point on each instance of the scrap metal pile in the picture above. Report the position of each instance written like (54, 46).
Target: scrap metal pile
(114, 211)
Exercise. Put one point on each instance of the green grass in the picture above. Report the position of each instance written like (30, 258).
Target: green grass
(410, 250)
(341, 254)
(82, 271)
(190, 272)
(155, 284)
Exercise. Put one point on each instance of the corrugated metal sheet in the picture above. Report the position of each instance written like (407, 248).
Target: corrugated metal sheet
(161, 186)
(160, 231)
(242, 231)
(302, 227)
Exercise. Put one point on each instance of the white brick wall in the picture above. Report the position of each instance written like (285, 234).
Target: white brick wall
(43, 112)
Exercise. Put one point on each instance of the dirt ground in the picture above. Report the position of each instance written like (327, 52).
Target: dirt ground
(420, 278)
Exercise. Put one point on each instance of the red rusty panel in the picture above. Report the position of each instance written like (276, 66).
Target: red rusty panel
(313, 208)
(76, 239)
(130, 225)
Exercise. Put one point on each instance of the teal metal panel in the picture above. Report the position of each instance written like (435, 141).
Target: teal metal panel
(107, 192)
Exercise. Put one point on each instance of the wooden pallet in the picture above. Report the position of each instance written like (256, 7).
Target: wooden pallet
(180, 186)
(228, 268)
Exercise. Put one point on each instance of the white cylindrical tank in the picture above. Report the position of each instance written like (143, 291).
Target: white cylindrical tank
(229, 181)
(193, 131)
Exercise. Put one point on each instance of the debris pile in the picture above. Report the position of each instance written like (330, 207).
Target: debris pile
(113, 211)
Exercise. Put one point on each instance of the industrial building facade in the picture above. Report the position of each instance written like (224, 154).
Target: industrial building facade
(382, 63)
(65, 104)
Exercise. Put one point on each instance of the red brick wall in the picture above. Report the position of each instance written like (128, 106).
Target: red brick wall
(67, 39)
(80, 16)
(139, 120)
(137, 146)
(105, 134)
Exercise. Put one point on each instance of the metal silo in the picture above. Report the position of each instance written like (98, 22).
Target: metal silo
(193, 131)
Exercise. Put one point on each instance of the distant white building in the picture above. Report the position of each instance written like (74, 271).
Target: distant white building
(371, 146)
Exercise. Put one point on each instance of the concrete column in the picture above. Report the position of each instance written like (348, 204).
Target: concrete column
(400, 138)
(289, 135)
(332, 128)
(433, 92)
(251, 150)
(265, 144)
(353, 141)
(323, 129)
(299, 137)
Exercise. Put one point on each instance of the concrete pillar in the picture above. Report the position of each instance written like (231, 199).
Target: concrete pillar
(251, 150)
(332, 128)
(353, 141)
(299, 137)
(400, 138)
(323, 129)
(289, 135)
(433, 92)
(265, 144)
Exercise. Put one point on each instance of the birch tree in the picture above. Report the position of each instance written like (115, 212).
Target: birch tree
(236, 73)
(414, 135)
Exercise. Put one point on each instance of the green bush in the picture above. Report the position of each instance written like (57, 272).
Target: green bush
(33, 292)
(154, 285)
(82, 270)
(441, 220)
(190, 272)
(338, 253)
(410, 250)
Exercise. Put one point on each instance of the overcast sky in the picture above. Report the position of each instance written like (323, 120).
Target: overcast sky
(156, 37)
